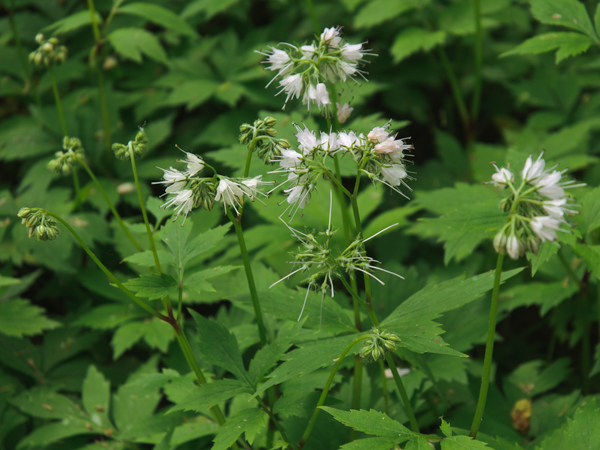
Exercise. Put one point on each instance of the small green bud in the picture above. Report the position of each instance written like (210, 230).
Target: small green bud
(270, 121)
(23, 212)
(283, 143)
(258, 123)
(271, 131)
(204, 191)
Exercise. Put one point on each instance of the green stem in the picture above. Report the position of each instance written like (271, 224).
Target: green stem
(277, 425)
(313, 17)
(476, 101)
(489, 350)
(460, 103)
(61, 116)
(409, 411)
(77, 188)
(110, 205)
(386, 401)
(104, 112)
(321, 401)
(107, 272)
(249, 276)
(93, 19)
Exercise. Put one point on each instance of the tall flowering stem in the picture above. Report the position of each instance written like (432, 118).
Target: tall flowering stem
(489, 350)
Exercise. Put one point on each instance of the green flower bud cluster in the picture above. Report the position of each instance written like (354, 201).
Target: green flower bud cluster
(204, 190)
(39, 225)
(64, 160)
(381, 341)
(262, 133)
(139, 146)
(49, 52)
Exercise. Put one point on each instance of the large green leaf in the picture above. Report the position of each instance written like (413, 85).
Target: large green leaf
(376, 443)
(73, 22)
(19, 318)
(153, 286)
(211, 394)
(198, 280)
(372, 422)
(378, 11)
(567, 43)
(159, 15)
(589, 219)
(248, 421)
(547, 295)
(415, 39)
(96, 397)
(133, 42)
(566, 13)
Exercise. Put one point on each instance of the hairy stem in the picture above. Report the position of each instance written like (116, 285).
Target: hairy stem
(409, 411)
(489, 350)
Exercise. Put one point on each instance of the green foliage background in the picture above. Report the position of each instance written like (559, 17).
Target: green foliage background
(83, 368)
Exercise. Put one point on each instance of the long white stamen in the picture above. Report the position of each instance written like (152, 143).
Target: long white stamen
(370, 274)
(379, 232)
(287, 276)
(386, 271)
(305, 298)
(330, 208)
(321, 316)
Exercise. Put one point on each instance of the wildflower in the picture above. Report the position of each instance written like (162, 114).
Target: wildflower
(533, 170)
(348, 140)
(125, 188)
(174, 180)
(289, 159)
(292, 85)
(343, 112)
(353, 52)
(184, 200)
(194, 164)
(394, 174)
(377, 135)
(545, 227)
(331, 36)
(502, 177)
(278, 59)
(317, 94)
(329, 142)
(306, 139)
(513, 247)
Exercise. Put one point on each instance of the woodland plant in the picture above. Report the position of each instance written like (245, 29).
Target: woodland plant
(322, 221)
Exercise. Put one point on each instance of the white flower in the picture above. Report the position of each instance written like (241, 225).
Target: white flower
(230, 193)
(499, 241)
(292, 85)
(194, 164)
(343, 112)
(278, 59)
(545, 227)
(173, 179)
(502, 177)
(331, 36)
(352, 52)
(309, 51)
(329, 142)
(548, 185)
(125, 188)
(347, 140)
(345, 70)
(378, 134)
(184, 200)
(252, 186)
(513, 247)
(307, 140)
(394, 174)
(289, 159)
(318, 94)
(533, 170)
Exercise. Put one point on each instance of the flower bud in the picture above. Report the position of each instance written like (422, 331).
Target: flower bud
(23, 212)
(270, 121)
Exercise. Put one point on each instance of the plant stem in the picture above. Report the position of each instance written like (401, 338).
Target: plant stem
(107, 272)
(313, 16)
(93, 19)
(386, 401)
(409, 411)
(460, 103)
(321, 401)
(476, 101)
(249, 276)
(61, 116)
(110, 205)
(489, 350)
(77, 188)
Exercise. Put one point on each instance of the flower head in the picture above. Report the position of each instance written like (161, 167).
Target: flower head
(184, 200)
(331, 37)
(343, 112)
(231, 194)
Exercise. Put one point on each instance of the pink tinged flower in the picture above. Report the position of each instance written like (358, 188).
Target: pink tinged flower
(230, 193)
(545, 227)
(352, 52)
(319, 95)
(343, 112)
(533, 170)
(548, 185)
(513, 247)
(394, 174)
(502, 177)
(307, 140)
(184, 200)
(378, 134)
(331, 36)
(292, 86)
(389, 145)
(278, 59)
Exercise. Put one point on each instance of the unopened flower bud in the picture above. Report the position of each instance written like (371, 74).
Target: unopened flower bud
(23, 212)
(270, 121)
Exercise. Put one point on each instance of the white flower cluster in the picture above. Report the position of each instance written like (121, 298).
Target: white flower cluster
(303, 71)
(190, 191)
(379, 155)
(537, 207)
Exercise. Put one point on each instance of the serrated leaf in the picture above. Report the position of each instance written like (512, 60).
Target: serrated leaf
(547, 295)
(378, 11)
(20, 318)
(463, 443)
(146, 259)
(248, 421)
(211, 394)
(547, 250)
(155, 332)
(45, 403)
(446, 428)
(109, 316)
(153, 286)
(418, 444)
(415, 39)
(567, 13)
(413, 319)
(72, 22)
(95, 397)
(591, 254)
(567, 43)
(589, 218)
(133, 42)
(532, 380)
(376, 443)
(581, 433)
(159, 15)
(191, 93)
(372, 422)
(48, 434)
(198, 280)
(219, 347)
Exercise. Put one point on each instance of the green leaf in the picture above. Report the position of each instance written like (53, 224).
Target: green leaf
(581, 433)
(72, 22)
(210, 7)
(532, 381)
(378, 11)
(248, 421)
(376, 443)
(211, 394)
(159, 15)
(589, 218)
(153, 286)
(191, 93)
(197, 281)
(154, 204)
(567, 43)
(463, 443)
(146, 259)
(372, 422)
(547, 250)
(418, 444)
(415, 39)
(19, 318)
(22, 137)
(155, 332)
(109, 316)
(547, 295)
(567, 13)
(219, 347)
(48, 434)
(446, 428)
(45, 403)
(413, 319)
(7, 281)
(133, 42)
(597, 19)
(95, 396)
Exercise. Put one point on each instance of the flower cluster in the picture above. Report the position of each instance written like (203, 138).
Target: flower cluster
(49, 52)
(537, 207)
(379, 155)
(381, 341)
(64, 160)
(39, 224)
(303, 71)
(260, 137)
(138, 146)
(191, 191)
